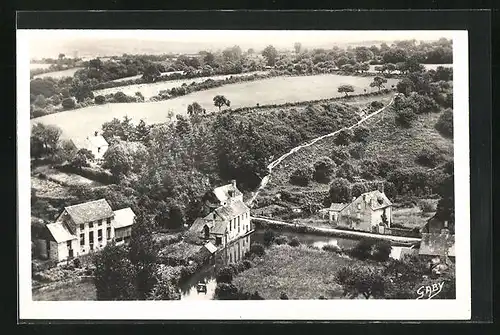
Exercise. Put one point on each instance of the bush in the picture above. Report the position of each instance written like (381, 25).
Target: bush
(347, 171)
(343, 137)
(269, 236)
(323, 169)
(340, 190)
(281, 240)
(68, 103)
(361, 134)
(363, 250)
(301, 176)
(340, 155)
(405, 117)
(376, 105)
(226, 291)
(225, 275)
(257, 249)
(332, 248)
(294, 242)
(428, 157)
(357, 151)
(100, 99)
(248, 264)
(381, 251)
(427, 206)
(444, 125)
(357, 189)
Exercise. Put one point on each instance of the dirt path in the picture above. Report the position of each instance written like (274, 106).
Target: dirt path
(274, 163)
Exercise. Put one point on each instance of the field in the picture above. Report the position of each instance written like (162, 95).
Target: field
(62, 178)
(427, 67)
(59, 74)
(140, 76)
(149, 90)
(278, 90)
(34, 66)
(83, 290)
(300, 272)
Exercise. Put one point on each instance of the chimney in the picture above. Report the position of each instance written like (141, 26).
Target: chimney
(233, 182)
(96, 133)
(381, 187)
(353, 198)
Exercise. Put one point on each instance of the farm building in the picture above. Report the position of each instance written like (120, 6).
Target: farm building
(84, 228)
(365, 212)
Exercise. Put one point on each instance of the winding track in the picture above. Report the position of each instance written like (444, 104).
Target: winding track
(274, 163)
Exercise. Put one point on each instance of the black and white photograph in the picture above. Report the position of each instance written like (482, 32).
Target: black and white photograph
(189, 167)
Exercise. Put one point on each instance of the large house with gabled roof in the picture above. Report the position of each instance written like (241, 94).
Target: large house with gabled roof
(83, 228)
(228, 218)
(365, 212)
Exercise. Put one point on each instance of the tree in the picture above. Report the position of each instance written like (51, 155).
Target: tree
(297, 46)
(361, 280)
(301, 176)
(43, 86)
(68, 103)
(44, 139)
(323, 169)
(100, 99)
(390, 67)
(225, 275)
(347, 171)
(269, 236)
(164, 290)
(81, 90)
(82, 158)
(340, 191)
(405, 117)
(382, 250)
(195, 111)
(345, 89)
(114, 274)
(271, 55)
(339, 155)
(117, 160)
(257, 249)
(445, 123)
(151, 73)
(363, 54)
(220, 100)
(226, 291)
(142, 131)
(343, 137)
(378, 82)
(361, 134)
(405, 86)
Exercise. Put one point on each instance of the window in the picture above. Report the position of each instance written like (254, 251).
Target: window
(91, 238)
(82, 239)
(82, 226)
(230, 226)
(358, 215)
(99, 235)
(91, 224)
(108, 221)
(108, 233)
(100, 223)
(359, 206)
(98, 149)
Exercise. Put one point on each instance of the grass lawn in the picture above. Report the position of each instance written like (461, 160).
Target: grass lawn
(59, 74)
(278, 90)
(48, 188)
(410, 217)
(300, 272)
(76, 291)
(64, 178)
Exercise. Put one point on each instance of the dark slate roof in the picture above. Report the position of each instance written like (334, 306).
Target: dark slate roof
(380, 200)
(90, 211)
(222, 192)
(433, 244)
(229, 211)
(60, 232)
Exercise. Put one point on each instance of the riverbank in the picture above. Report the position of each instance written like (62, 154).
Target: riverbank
(298, 228)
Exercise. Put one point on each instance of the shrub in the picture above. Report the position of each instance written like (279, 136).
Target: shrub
(340, 190)
(281, 240)
(444, 125)
(347, 171)
(283, 296)
(226, 291)
(68, 103)
(269, 236)
(247, 263)
(357, 189)
(340, 155)
(427, 206)
(405, 117)
(343, 137)
(323, 169)
(363, 250)
(294, 242)
(381, 251)
(428, 157)
(361, 134)
(357, 151)
(301, 176)
(225, 275)
(100, 99)
(376, 105)
(257, 249)
(322, 297)
(332, 248)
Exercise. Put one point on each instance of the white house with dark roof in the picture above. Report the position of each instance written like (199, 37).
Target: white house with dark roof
(229, 218)
(86, 227)
(363, 213)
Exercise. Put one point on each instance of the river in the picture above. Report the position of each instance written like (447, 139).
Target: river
(236, 251)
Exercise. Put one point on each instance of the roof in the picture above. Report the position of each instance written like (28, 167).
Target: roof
(90, 211)
(124, 217)
(219, 228)
(60, 233)
(197, 225)
(97, 141)
(380, 200)
(434, 244)
(210, 247)
(222, 192)
(435, 225)
(234, 208)
(335, 206)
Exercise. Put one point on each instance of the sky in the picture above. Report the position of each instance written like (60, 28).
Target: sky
(49, 43)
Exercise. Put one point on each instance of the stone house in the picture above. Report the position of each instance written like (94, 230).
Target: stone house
(364, 213)
(84, 228)
(228, 218)
(95, 144)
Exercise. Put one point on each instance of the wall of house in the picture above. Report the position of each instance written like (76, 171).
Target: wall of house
(54, 251)
(84, 248)
(357, 215)
(99, 153)
(41, 248)
(236, 250)
(238, 226)
(123, 234)
(377, 216)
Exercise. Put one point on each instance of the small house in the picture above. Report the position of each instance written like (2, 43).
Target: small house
(371, 211)
(124, 220)
(95, 144)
